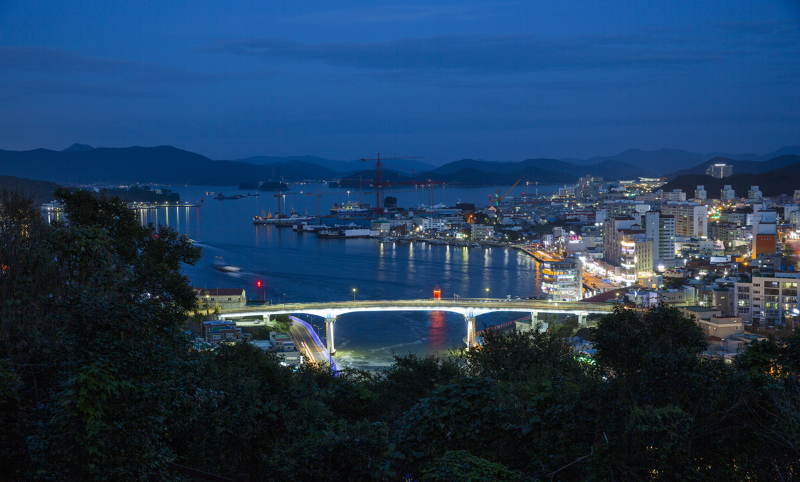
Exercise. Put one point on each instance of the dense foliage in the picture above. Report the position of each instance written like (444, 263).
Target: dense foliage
(98, 382)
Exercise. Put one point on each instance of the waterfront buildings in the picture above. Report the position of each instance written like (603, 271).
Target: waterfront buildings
(219, 331)
(481, 231)
(563, 280)
(222, 298)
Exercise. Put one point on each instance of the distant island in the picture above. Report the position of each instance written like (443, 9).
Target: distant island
(40, 191)
(272, 186)
(144, 194)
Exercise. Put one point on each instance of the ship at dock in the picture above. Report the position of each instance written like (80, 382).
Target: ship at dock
(282, 219)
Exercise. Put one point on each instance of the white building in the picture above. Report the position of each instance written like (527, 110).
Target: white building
(726, 193)
(768, 297)
(719, 171)
(661, 229)
(434, 223)
(482, 231)
(222, 298)
(754, 193)
(700, 193)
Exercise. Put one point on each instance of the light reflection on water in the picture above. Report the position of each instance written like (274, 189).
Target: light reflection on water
(306, 268)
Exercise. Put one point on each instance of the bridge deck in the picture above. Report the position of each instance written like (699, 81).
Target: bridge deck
(478, 306)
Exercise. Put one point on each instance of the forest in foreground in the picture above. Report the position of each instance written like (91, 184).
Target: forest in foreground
(98, 381)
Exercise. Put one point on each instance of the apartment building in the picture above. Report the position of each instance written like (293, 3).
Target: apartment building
(770, 297)
(661, 229)
(701, 193)
(636, 256)
(691, 219)
(726, 193)
(731, 234)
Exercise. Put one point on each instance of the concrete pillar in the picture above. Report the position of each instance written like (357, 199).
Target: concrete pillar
(470, 331)
(329, 335)
(581, 320)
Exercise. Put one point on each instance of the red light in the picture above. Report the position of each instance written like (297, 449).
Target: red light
(258, 283)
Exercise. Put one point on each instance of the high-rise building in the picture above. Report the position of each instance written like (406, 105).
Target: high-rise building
(612, 237)
(691, 219)
(675, 195)
(661, 229)
(636, 258)
(726, 193)
(754, 193)
(719, 171)
(700, 193)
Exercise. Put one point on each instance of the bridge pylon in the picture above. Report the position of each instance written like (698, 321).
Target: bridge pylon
(470, 332)
(329, 335)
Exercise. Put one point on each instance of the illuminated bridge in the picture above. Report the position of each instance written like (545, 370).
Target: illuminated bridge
(469, 308)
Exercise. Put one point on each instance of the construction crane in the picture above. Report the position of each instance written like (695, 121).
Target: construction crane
(318, 194)
(498, 198)
(279, 199)
(378, 182)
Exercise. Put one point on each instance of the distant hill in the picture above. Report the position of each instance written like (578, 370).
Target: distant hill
(468, 177)
(740, 167)
(339, 166)
(664, 161)
(607, 169)
(40, 191)
(774, 183)
(78, 148)
(148, 165)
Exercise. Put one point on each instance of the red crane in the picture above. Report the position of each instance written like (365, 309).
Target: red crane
(378, 181)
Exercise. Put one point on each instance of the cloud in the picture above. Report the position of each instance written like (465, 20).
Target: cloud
(389, 14)
(44, 59)
(492, 54)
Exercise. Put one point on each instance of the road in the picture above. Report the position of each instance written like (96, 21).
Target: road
(305, 343)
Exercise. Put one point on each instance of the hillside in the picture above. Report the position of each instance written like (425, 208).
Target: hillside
(740, 167)
(770, 183)
(39, 191)
(468, 177)
(339, 166)
(610, 170)
(664, 161)
(147, 165)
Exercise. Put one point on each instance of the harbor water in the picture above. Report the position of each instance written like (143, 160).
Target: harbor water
(297, 267)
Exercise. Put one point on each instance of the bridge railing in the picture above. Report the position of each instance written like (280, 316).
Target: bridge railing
(532, 305)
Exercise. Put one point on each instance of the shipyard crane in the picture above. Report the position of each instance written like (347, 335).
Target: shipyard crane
(318, 194)
(279, 199)
(498, 198)
(378, 183)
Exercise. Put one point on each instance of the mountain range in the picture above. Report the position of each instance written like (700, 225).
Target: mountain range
(80, 163)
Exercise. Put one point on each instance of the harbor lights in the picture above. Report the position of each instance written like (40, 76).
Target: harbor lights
(487, 294)
(354, 295)
(258, 284)
(437, 293)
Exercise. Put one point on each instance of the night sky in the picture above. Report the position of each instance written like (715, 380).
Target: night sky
(444, 80)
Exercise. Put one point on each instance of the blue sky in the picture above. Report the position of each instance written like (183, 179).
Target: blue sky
(444, 80)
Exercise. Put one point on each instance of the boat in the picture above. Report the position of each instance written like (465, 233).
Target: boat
(219, 265)
(222, 197)
(351, 207)
(331, 234)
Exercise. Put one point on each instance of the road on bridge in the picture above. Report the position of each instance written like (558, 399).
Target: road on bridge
(305, 342)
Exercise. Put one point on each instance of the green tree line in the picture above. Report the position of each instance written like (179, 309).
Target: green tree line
(98, 382)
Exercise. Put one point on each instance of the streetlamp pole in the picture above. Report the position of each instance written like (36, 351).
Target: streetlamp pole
(354, 295)
(487, 294)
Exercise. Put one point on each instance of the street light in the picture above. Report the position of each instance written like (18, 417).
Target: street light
(487, 294)
(354, 295)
